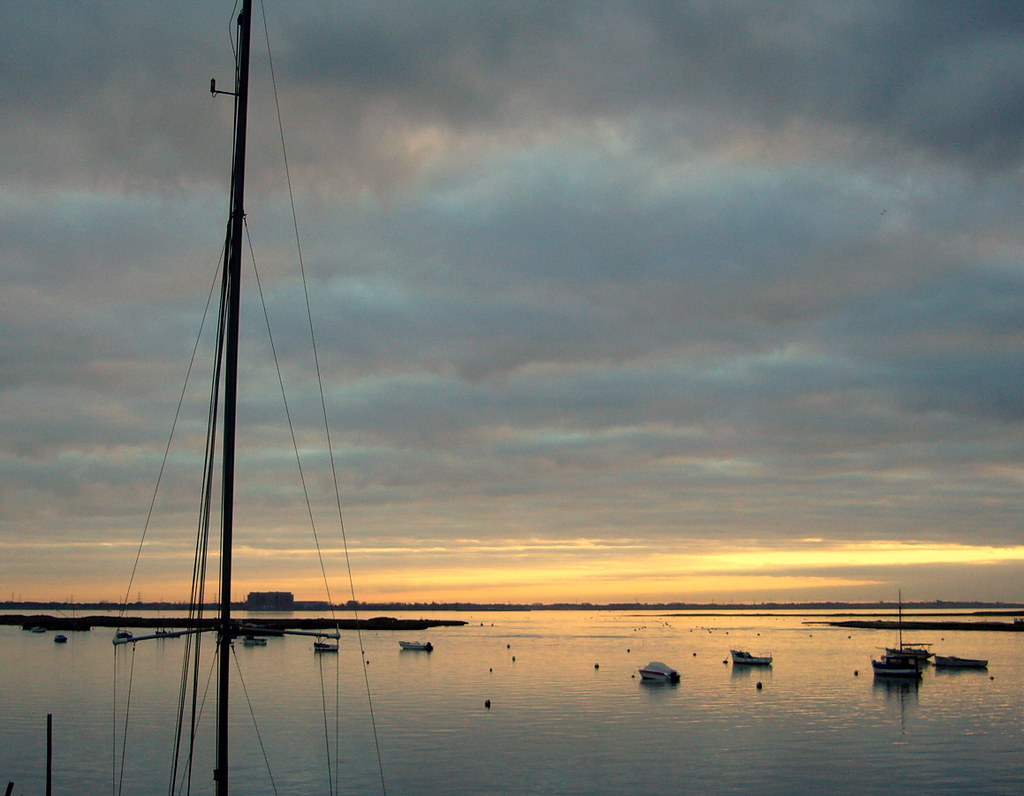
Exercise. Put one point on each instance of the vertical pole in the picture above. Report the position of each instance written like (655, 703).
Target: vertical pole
(49, 753)
(233, 275)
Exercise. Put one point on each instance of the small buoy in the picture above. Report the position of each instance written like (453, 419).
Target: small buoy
(990, 677)
(508, 646)
(758, 685)
(856, 673)
(695, 655)
(725, 661)
(597, 666)
(513, 658)
(487, 704)
(491, 670)
(627, 649)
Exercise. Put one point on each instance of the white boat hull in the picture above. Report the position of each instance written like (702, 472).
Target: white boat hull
(657, 672)
(739, 657)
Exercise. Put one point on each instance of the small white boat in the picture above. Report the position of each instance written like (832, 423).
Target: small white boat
(38, 629)
(746, 659)
(123, 634)
(254, 641)
(322, 645)
(426, 646)
(659, 672)
(60, 638)
(953, 662)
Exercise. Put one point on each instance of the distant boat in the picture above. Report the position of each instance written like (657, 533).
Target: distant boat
(254, 641)
(953, 662)
(321, 645)
(659, 672)
(60, 638)
(38, 629)
(417, 645)
(123, 634)
(915, 650)
(899, 662)
(745, 658)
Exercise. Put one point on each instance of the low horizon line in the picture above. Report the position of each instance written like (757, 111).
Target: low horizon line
(300, 605)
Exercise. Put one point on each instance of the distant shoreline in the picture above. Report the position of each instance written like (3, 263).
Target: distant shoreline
(262, 625)
(934, 606)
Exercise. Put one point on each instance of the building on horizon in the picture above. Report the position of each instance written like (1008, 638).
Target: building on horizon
(270, 601)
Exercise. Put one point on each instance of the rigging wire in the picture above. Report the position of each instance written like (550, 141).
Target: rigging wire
(187, 776)
(167, 448)
(323, 401)
(127, 713)
(118, 785)
(252, 713)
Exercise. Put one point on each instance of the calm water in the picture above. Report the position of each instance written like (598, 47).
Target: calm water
(558, 724)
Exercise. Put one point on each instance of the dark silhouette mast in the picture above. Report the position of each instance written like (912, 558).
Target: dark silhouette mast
(232, 290)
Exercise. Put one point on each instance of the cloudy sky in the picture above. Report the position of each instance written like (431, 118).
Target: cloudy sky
(612, 300)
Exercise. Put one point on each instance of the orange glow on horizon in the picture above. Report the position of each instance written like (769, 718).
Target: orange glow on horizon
(532, 570)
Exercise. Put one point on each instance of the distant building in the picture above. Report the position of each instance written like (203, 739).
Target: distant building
(270, 601)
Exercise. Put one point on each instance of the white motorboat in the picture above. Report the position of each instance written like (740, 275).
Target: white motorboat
(425, 646)
(322, 645)
(60, 638)
(659, 672)
(254, 641)
(744, 658)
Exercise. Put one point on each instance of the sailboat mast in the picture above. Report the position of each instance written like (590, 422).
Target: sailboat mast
(899, 594)
(232, 293)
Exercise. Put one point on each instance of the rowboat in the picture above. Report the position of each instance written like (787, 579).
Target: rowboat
(425, 646)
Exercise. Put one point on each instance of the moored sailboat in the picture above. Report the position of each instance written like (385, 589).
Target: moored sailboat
(898, 661)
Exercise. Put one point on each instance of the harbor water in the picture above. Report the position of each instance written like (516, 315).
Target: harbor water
(528, 702)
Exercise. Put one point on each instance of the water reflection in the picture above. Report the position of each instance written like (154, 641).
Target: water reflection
(896, 687)
(955, 671)
(751, 673)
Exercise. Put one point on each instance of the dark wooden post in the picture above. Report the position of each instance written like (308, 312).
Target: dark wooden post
(49, 753)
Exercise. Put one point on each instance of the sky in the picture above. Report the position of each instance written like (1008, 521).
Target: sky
(657, 301)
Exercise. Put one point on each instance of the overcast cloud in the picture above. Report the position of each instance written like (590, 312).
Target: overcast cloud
(641, 277)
